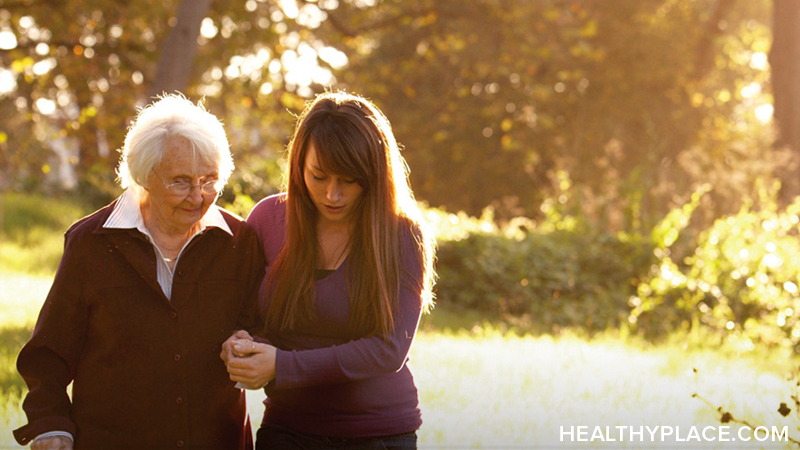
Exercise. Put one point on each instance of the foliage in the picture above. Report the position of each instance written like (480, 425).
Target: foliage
(613, 92)
(637, 99)
(548, 281)
(545, 276)
(79, 70)
(739, 282)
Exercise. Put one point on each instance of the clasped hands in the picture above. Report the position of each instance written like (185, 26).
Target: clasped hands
(248, 362)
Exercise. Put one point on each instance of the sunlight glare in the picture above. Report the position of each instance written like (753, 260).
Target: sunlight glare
(88, 40)
(772, 261)
(288, 59)
(210, 90)
(44, 66)
(216, 74)
(329, 5)
(289, 8)
(26, 22)
(232, 72)
(274, 66)
(302, 67)
(311, 16)
(42, 49)
(291, 40)
(751, 90)
(46, 106)
(305, 91)
(208, 29)
(322, 76)
(8, 81)
(759, 61)
(115, 31)
(8, 41)
(764, 113)
(334, 57)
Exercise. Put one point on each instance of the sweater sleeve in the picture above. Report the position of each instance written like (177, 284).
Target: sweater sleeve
(362, 358)
(48, 361)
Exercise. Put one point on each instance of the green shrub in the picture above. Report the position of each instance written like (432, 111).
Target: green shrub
(741, 281)
(541, 276)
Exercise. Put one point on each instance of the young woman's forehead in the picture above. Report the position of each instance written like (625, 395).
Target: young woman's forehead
(320, 155)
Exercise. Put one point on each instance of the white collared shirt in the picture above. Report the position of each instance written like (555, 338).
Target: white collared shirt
(127, 215)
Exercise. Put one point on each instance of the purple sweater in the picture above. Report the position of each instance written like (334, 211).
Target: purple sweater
(331, 381)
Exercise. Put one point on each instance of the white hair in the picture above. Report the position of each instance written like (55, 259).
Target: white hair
(170, 116)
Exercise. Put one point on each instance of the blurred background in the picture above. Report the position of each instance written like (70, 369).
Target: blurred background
(598, 173)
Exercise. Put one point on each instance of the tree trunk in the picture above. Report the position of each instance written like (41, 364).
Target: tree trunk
(178, 51)
(784, 57)
(705, 57)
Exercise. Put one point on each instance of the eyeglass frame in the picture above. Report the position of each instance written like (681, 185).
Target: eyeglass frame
(171, 187)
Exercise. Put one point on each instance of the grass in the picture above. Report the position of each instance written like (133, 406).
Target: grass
(483, 387)
(31, 231)
(20, 301)
(517, 392)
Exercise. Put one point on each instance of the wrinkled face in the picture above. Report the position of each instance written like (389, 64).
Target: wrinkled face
(173, 210)
(335, 197)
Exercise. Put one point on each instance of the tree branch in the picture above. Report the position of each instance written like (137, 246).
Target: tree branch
(336, 21)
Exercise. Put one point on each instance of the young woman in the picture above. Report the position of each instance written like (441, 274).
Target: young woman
(350, 271)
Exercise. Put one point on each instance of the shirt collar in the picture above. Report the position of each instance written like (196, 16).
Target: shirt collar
(126, 214)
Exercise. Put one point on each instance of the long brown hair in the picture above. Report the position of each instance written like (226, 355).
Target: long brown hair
(352, 138)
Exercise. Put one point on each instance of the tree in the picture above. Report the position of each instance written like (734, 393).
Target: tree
(638, 100)
(492, 97)
(80, 68)
(784, 56)
(176, 62)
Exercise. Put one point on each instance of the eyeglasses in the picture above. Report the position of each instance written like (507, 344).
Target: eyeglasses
(183, 187)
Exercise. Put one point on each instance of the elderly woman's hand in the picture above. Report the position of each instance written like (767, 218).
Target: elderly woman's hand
(52, 443)
(228, 351)
(252, 363)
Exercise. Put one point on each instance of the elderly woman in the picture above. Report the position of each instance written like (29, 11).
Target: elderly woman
(147, 290)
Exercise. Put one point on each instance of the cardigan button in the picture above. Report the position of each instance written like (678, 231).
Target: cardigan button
(177, 357)
(173, 315)
(179, 400)
(179, 444)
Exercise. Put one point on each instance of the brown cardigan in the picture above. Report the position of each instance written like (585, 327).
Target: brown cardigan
(146, 371)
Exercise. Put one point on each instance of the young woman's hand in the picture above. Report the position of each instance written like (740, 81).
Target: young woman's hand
(227, 351)
(252, 363)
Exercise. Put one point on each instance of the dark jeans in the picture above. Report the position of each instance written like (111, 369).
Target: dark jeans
(274, 437)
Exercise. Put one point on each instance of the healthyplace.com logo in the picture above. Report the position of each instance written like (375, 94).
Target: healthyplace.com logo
(667, 433)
